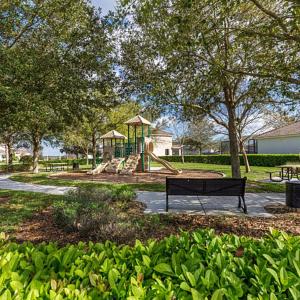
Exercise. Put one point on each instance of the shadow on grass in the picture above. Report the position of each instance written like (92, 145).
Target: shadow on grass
(20, 206)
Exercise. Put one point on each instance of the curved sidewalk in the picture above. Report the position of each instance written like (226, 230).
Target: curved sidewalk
(8, 184)
(155, 201)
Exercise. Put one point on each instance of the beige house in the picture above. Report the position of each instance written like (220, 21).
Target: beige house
(163, 142)
(283, 140)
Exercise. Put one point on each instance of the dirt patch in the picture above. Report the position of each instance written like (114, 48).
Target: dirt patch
(4, 199)
(41, 227)
(146, 177)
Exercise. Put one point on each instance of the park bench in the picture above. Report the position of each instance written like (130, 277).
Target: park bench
(207, 187)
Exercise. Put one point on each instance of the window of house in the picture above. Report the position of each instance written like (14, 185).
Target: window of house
(167, 151)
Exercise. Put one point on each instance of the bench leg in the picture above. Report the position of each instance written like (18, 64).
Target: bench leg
(201, 205)
(240, 202)
(244, 205)
(167, 202)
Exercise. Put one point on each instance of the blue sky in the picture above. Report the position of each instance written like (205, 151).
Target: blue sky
(106, 5)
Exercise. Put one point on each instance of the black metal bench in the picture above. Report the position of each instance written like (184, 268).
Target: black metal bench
(207, 187)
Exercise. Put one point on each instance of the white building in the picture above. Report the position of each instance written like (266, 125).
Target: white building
(284, 140)
(162, 142)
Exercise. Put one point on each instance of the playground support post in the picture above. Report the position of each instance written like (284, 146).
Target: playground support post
(128, 141)
(135, 142)
(149, 159)
(142, 154)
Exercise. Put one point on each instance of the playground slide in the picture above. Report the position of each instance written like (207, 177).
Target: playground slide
(164, 163)
(130, 165)
(99, 169)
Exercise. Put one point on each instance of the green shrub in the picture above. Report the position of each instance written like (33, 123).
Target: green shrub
(16, 168)
(93, 211)
(200, 265)
(26, 159)
(267, 160)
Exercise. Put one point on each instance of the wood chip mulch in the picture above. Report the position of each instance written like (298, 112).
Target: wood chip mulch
(41, 227)
(147, 177)
(4, 199)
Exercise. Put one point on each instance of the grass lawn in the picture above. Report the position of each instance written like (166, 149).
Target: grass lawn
(17, 206)
(254, 185)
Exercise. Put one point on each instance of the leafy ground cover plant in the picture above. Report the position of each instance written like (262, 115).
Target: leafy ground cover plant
(99, 213)
(200, 265)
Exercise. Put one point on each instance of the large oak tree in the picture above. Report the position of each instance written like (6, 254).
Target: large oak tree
(182, 54)
(53, 54)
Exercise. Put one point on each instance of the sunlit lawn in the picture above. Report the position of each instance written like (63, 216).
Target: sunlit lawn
(254, 177)
(16, 206)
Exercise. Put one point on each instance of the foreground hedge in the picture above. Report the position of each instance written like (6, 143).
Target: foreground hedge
(267, 160)
(194, 266)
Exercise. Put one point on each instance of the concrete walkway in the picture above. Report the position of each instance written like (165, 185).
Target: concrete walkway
(8, 184)
(156, 201)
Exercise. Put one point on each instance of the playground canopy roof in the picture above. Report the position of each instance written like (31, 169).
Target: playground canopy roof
(137, 120)
(113, 134)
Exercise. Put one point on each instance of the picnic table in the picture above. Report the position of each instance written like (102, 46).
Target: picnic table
(56, 166)
(287, 172)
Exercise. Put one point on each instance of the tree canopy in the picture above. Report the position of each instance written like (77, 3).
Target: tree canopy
(55, 54)
(188, 55)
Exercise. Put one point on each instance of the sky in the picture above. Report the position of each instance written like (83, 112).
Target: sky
(106, 5)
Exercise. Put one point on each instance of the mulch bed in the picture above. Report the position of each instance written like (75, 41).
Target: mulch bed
(146, 177)
(4, 199)
(41, 227)
(281, 209)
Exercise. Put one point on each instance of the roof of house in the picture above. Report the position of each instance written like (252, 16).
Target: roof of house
(113, 134)
(291, 129)
(159, 132)
(137, 120)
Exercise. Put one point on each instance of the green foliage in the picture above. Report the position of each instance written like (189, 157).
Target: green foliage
(266, 160)
(24, 167)
(89, 210)
(26, 159)
(49, 66)
(200, 265)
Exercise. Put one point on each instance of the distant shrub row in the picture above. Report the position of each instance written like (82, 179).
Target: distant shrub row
(267, 160)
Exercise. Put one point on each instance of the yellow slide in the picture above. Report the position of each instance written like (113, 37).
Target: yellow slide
(164, 163)
(149, 151)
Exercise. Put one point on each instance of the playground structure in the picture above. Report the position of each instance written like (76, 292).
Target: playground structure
(133, 155)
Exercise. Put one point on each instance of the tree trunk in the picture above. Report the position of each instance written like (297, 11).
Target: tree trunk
(233, 142)
(245, 157)
(6, 155)
(36, 143)
(87, 155)
(94, 149)
(10, 156)
(182, 154)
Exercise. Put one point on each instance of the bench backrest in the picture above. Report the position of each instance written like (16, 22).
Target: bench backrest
(209, 187)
